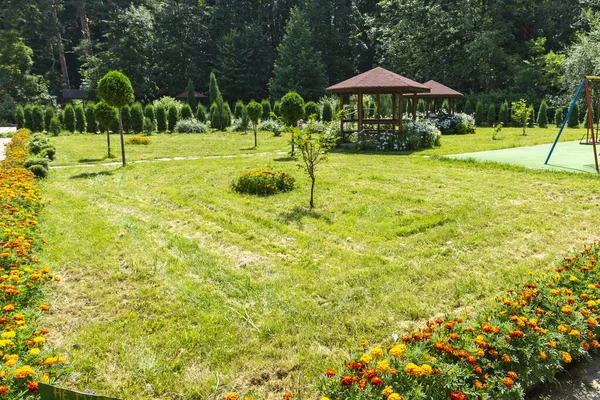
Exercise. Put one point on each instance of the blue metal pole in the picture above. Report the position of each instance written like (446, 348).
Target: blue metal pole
(565, 121)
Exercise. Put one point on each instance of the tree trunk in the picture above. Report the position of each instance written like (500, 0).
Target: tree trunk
(312, 192)
(85, 28)
(122, 139)
(108, 141)
(61, 49)
(255, 145)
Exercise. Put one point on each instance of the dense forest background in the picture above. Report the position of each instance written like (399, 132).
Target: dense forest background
(496, 49)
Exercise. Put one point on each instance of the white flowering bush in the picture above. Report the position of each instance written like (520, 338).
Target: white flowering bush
(271, 125)
(457, 124)
(420, 134)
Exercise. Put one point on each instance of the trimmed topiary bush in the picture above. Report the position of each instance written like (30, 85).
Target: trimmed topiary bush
(90, 118)
(172, 117)
(20, 117)
(263, 182)
(37, 119)
(573, 121)
(558, 117)
(255, 111)
(150, 117)
(48, 115)
(491, 119)
(327, 112)
(266, 107)
(80, 123)
(69, 118)
(126, 118)
(105, 115)
(311, 110)
(542, 119)
(292, 108)
(186, 111)
(237, 110)
(55, 127)
(39, 171)
(277, 108)
(37, 165)
(161, 118)
(201, 113)
(137, 118)
(27, 111)
(190, 125)
(479, 114)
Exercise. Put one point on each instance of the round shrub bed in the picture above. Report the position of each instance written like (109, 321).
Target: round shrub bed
(457, 124)
(137, 140)
(532, 333)
(420, 134)
(263, 182)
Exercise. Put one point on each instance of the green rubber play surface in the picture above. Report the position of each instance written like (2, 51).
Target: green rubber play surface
(567, 156)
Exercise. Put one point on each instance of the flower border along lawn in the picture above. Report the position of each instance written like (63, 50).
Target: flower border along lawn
(26, 360)
(500, 353)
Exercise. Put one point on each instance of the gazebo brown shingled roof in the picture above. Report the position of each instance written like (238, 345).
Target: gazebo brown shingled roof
(439, 91)
(183, 95)
(378, 80)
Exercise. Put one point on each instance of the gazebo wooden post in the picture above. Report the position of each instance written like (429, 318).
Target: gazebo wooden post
(401, 101)
(378, 112)
(393, 111)
(360, 111)
(342, 116)
(414, 107)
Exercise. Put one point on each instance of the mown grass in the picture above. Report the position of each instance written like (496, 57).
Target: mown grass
(174, 287)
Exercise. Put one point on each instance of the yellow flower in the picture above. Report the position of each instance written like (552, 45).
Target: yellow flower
(34, 352)
(366, 359)
(397, 350)
(8, 335)
(377, 352)
(39, 339)
(23, 372)
(573, 278)
(566, 357)
(387, 391)
(383, 366)
(394, 396)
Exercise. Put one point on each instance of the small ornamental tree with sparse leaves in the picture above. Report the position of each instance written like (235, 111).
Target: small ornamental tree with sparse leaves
(115, 90)
(201, 113)
(161, 118)
(266, 109)
(491, 115)
(126, 118)
(313, 146)
(186, 111)
(137, 118)
(311, 109)
(69, 118)
(48, 115)
(106, 116)
(90, 118)
(255, 111)
(37, 116)
(520, 114)
(80, 122)
(172, 117)
(20, 117)
(558, 117)
(292, 110)
(542, 119)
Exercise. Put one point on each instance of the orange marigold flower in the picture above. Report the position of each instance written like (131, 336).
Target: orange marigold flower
(566, 357)
(395, 396)
(366, 359)
(32, 386)
(505, 358)
(347, 380)
(393, 372)
(567, 310)
(3, 390)
(508, 382)
(454, 336)
(397, 350)
(563, 328)
(543, 355)
(458, 396)
(595, 344)
(586, 346)
(575, 333)
(387, 391)
(330, 373)
(370, 373)
(592, 322)
(511, 374)
(377, 352)
(518, 334)
(471, 359)
(477, 369)
(287, 396)
(552, 343)
(383, 366)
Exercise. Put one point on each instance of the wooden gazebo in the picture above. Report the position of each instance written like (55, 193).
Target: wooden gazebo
(376, 82)
(439, 92)
(184, 96)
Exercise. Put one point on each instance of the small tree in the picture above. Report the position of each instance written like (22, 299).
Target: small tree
(520, 114)
(542, 119)
(90, 117)
(327, 112)
(172, 117)
(292, 110)
(314, 147)
(503, 116)
(312, 109)
(69, 118)
(277, 108)
(479, 114)
(55, 127)
(137, 118)
(28, 116)
(266, 109)
(48, 115)
(106, 116)
(255, 111)
(558, 116)
(149, 116)
(126, 118)
(161, 118)
(220, 113)
(491, 117)
(245, 119)
(573, 121)
(237, 110)
(191, 95)
(37, 118)
(186, 112)
(80, 122)
(115, 90)
(468, 108)
(20, 117)
(531, 117)
(201, 113)
(212, 89)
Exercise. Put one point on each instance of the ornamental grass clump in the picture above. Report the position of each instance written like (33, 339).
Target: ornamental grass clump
(532, 333)
(263, 182)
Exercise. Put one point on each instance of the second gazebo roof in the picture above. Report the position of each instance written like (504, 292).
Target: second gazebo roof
(439, 91)
(378, 80)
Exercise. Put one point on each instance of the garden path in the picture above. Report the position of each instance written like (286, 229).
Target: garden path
(582, 382)
(3, 143)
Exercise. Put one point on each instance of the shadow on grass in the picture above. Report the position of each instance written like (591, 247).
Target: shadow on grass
(248, 148)
(285, 159)
(91, 160)
(87, 175)
(297, 213)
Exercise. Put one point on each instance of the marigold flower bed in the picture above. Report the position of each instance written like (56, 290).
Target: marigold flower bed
(25, 358)
(525, 340)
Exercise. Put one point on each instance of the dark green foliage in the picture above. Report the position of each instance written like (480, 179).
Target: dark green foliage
(292, 108)
(445, 105)
(48, 115)
(60, 113)
(479, 114)
(20, 117)
(126, 118)
(7, 108)
(48, 151)
(186, 111)
(212, 88)
(150, 117)
(573, 121)
(90, 118)
(38, 170)
(201, 113)
(137, 118)
(468, 108)
(255, 112)
(245, 119)
(105, 115)
(312, 109)
(420, 106)
(531, 116)
(172, 117)
(28, 116)
(80, 122)
(220, 117)
(37, 119)
(55, 127)
(69, 118)
(327, 112)
(115, 89)
(277, 108)
(503, 115)
(266, 109)
(558, 117)
(161, 118)
(542, 119)
(36, 160)
(491, 117)
(191, 95)
(239, 107)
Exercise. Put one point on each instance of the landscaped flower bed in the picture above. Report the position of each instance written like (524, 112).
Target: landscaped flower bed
(263, 182)
(526, 339)
(25, 357)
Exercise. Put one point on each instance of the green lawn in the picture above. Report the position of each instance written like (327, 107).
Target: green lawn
(176, 288)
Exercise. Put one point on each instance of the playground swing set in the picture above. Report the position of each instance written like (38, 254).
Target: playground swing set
(591, 135)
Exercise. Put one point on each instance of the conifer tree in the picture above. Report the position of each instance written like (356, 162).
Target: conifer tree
(327, 112)
(126, 118)
(479, 114)
(212, 88)
(468, 107)
(172, 117)
(69, 118)
(150, 117)
(186, 111)
(137, 118)
(201, 113)
(542, 119)
(531, 116)
(161, 118)
(80, 123)
(28, 120)
(20, 117)
(90, 118)
(503, 116)
(37, 119)
(266, 109)
(220, 113)
(573, 121)
(239, 107)
(48, 115)
(491, 115)
(191, 95)
(558, 116)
